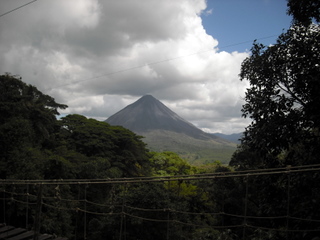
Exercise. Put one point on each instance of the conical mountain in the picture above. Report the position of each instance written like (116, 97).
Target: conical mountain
(164, 130)
(149, 114)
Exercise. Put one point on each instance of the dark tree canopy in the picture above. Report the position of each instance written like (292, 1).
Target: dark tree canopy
(34, 144)
(27, 120)
(123, 149)
(283, 99)
(304, 11)
(16, 93)
(22, 102)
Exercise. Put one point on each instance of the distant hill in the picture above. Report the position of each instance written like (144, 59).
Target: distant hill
(234, 137)
(164, 130)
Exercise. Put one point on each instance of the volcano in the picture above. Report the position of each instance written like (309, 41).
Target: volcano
(149, 114)
(164, 130)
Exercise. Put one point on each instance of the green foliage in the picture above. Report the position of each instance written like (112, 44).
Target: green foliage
(35, 145)
(283, 102)
(245, 158)
(169, 163)
(283, 99)
(195, 151)
(209, 155)
(27, 122)
(25, 102)
(116, 149)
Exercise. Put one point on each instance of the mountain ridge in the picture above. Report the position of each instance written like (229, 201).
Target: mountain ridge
(148, 114)
(164, 130)
(233, 137)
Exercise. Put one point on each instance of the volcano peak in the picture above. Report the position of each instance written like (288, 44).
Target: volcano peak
(148, 114)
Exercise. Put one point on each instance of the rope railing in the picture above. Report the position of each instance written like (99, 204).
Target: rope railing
(195, 177)
(19, 192)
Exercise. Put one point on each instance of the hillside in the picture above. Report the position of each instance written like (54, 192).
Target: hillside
(164, 130)
(234, 137)
(195, 151)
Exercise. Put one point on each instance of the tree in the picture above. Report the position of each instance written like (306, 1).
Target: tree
(304, 11)
(283, 102)
(169, 163)
(27, 122)
(27, 127)
(283, 99)
(120, 151)
(20, 100)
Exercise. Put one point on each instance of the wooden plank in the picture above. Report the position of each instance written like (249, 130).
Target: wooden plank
(11, 233)
(45, 236)
(5, 229)
(22, 236)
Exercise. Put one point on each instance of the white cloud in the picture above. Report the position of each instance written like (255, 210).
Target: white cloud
(208, 12)
(99, 56)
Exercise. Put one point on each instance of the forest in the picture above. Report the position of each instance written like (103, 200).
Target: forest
(84, 179)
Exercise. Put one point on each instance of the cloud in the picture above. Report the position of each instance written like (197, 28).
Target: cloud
(208, 12)
(99, 56)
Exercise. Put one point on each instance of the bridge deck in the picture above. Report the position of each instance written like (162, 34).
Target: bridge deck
(12, 233)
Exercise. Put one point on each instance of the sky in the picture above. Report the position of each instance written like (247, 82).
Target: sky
(98, 56)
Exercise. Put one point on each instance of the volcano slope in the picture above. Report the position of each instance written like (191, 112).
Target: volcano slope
(164, 130)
